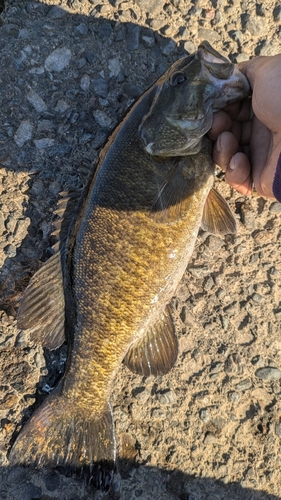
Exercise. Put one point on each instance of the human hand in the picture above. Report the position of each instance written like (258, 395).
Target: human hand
(247, 134)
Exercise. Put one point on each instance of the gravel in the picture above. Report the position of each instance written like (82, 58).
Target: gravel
(211, 427)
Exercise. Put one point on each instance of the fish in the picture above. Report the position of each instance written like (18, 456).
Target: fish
(124, 243)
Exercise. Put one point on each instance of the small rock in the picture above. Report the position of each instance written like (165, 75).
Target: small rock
(244, 385)
(23, 133)
(278, 429)
(275, 207)
(102, 118)
(149, 41)
(105, 31)
(58, 60)
(166, 397)
(10, 251)
(210, 438)
(199, 272)
(133, 36)
(36, 101)
(81, 62)
(99, 86)
(45, 126)
(82, 29)
(208, 34)
(100, 138)
(258, 298)
(233, 397)
(61, 106)
(204, 415)
(114, 66)
(44, 143)
(268, 373)
(39, 360)
(168, 47)
(132, 90)
(256, 26)
(190, 47)
(56, 12)
(214, 243)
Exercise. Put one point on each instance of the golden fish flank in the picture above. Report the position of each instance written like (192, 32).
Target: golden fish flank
(120, 259)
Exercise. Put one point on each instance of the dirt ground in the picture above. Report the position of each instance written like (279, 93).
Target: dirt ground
(211, 428)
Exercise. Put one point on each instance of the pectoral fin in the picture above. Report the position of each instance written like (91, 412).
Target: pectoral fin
(175, 195)
(156, 352)
(217, 217)
(41, 309)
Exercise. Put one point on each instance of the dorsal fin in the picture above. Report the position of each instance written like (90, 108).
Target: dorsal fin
(156, 352)
(217, 217)
(42, 307)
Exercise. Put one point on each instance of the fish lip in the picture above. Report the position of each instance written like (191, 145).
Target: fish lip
(166, 153)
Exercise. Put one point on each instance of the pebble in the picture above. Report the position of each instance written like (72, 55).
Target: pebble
(37, 102)
(149, 41)
(168, 47)
(256, 26)
(258, 298)
(100, 138)
(102, 118)
(275, 207)
(233, 397)
(58, 60)
(100, 87)
(114, 67)
(244, 385)
(204, 415)
(45, 126)
(210, 438)
(214, 243)
(199, 272)
(132, 90)
(166, 397)
(56, 12)
(44, 143)
(82, 29)
(268, 373)
(278, 429)
(61, 106)
(190, 47)
(23, 133)
(133, 36)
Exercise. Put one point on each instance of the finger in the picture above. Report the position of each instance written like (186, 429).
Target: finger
(268, 174)
(238, 174)
(260, 149)
(225, 147)
(221, 122)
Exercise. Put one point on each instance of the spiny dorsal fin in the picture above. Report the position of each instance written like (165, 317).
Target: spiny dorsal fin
(156, 352)
(217, 217)
(175, 194)
(41, 308)
(86, 169)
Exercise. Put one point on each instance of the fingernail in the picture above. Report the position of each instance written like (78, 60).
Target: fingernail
(233, 163)
(218, 144)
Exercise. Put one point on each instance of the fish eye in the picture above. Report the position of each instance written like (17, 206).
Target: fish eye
(177, 79)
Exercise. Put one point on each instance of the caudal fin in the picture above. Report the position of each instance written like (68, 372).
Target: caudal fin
(57, 436)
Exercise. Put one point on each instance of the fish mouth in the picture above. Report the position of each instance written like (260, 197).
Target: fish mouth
(190, 148)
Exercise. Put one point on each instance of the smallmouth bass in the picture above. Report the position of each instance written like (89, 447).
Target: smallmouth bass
(119, 261)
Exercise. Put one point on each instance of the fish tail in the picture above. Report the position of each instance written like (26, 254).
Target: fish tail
(57, 436)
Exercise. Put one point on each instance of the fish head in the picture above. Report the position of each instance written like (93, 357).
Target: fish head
(187, 95)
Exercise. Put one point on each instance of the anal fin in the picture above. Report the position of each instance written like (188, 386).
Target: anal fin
(217, 217)
(156, 352)
(42, 306)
